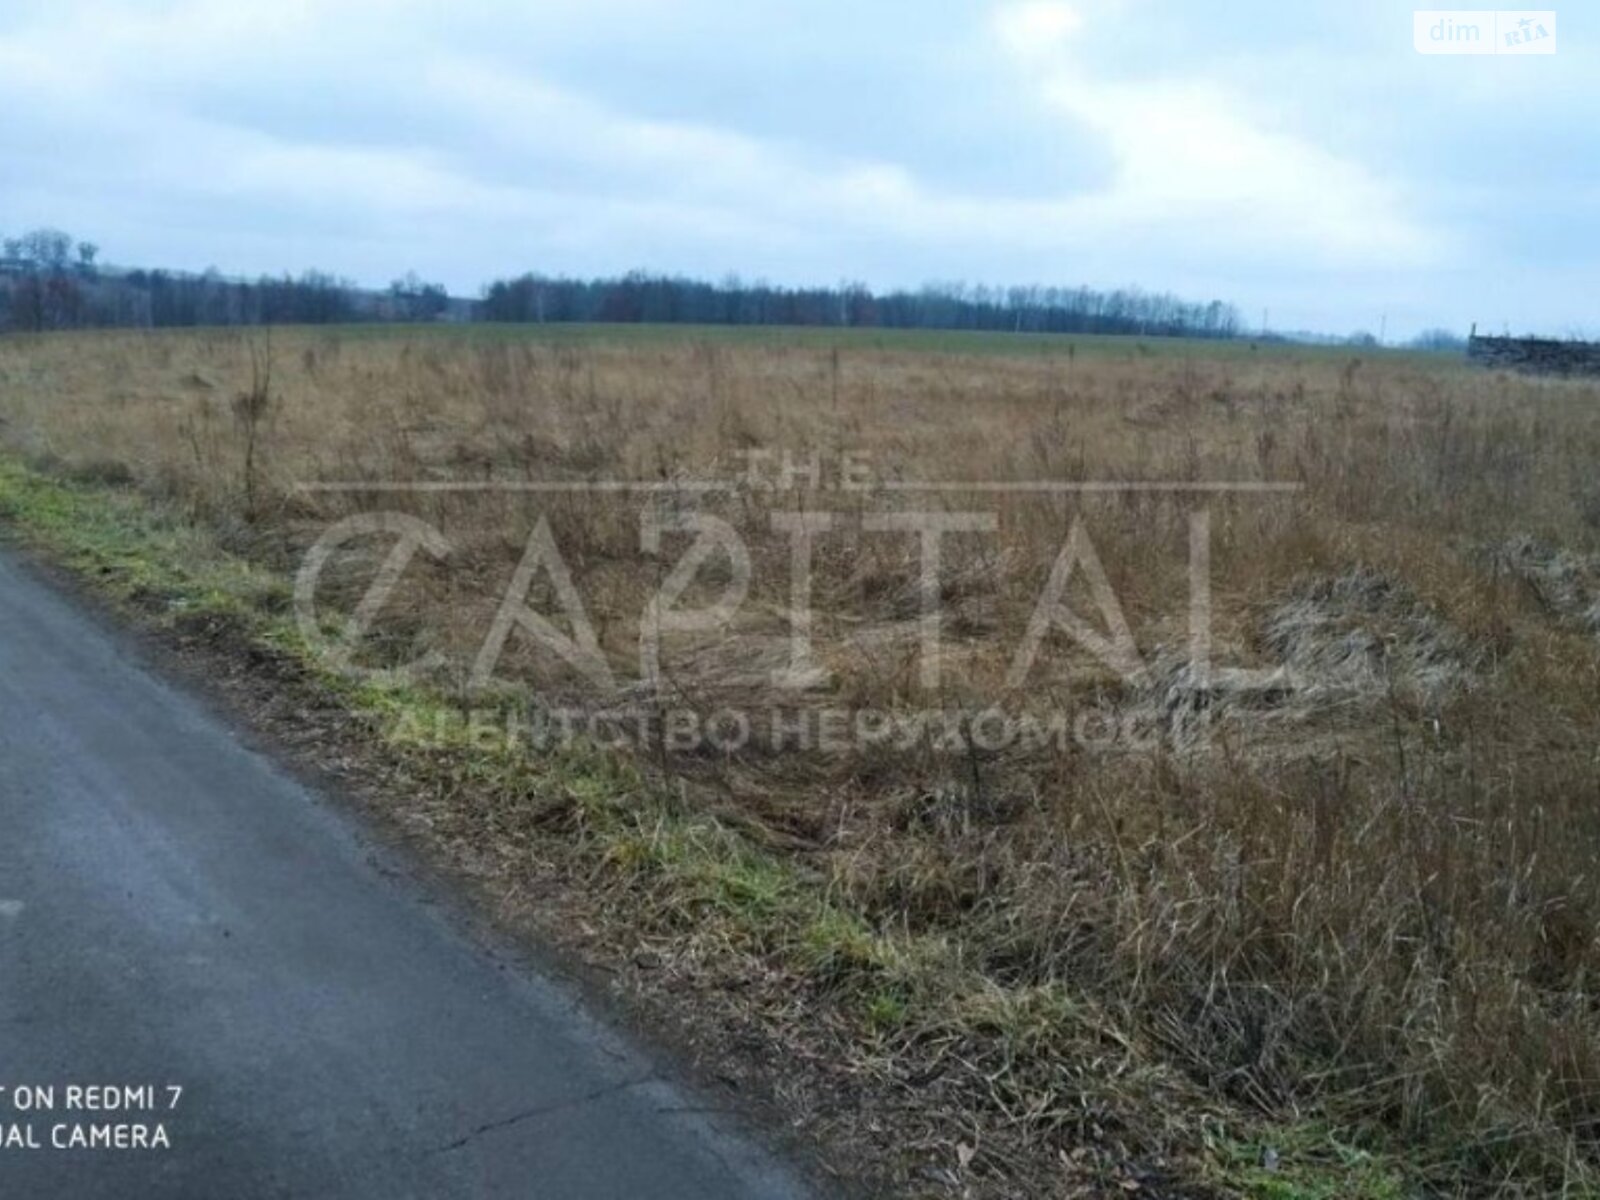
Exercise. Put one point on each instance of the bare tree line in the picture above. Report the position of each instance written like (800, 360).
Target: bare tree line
(656, 299)
(50, 281)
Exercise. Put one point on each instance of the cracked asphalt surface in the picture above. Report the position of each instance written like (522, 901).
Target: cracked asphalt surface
(175, 910)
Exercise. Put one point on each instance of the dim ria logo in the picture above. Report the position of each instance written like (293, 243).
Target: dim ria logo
(1471, 31)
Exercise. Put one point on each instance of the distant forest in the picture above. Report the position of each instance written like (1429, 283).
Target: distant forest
(50, 281)
(641, 298)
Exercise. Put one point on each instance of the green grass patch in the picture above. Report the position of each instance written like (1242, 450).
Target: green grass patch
(1302, 1162)
(135, 552)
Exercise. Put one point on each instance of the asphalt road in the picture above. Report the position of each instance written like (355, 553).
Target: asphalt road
(175, 911)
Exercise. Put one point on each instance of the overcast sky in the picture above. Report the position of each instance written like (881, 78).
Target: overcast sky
(1297, 157)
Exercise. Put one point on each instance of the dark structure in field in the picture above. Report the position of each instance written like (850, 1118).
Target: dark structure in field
(1536, 356)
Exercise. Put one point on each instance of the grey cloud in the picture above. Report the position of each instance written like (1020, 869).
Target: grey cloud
(895, 142)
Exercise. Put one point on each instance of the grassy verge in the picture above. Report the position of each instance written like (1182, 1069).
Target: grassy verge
(966, 1082)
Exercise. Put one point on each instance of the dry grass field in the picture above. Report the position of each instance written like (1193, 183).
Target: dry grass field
(1348, 915)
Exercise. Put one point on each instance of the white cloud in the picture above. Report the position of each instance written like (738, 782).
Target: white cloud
(1195, 163)
(1037, 27)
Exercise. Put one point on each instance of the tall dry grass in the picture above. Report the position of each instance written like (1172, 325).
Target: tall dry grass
(1369, 897)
